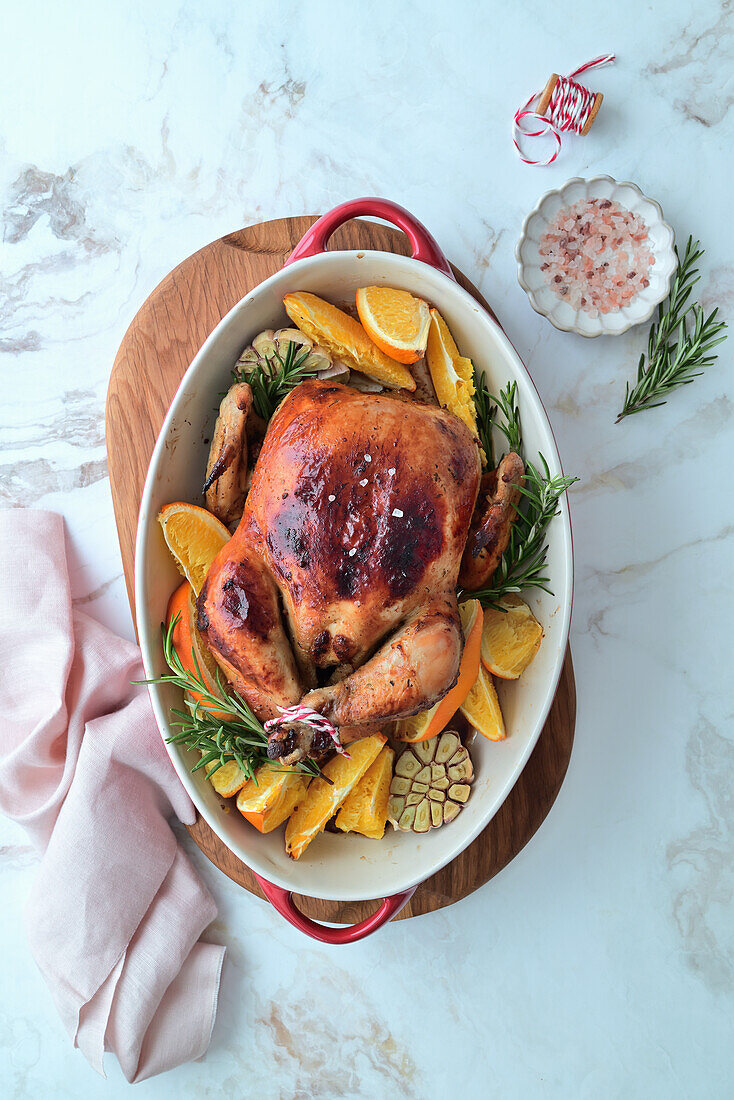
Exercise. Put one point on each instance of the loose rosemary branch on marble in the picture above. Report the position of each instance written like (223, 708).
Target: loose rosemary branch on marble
(218, 724)
(680, 341)
(283, 373)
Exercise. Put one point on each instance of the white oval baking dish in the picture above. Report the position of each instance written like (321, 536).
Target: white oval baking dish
(340, 867)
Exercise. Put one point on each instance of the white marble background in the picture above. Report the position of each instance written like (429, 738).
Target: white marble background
(601, 962)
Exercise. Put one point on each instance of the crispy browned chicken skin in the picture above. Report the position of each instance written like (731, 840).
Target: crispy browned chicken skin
(495, 514)
(238, 434)
(346, 559)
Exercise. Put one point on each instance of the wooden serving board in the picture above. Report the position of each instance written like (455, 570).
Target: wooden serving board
(159, 345)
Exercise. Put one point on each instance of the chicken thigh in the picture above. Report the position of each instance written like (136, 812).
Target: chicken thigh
(338, 589)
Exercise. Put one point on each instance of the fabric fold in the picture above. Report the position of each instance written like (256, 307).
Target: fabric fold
(116, 910)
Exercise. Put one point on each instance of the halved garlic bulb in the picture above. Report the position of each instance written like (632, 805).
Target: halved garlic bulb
(270, 346)
(431, 782)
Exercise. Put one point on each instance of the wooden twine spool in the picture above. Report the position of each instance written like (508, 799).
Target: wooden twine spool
(547, 94)
(562, 106)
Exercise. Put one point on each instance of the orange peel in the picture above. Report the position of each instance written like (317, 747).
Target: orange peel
(345, 339)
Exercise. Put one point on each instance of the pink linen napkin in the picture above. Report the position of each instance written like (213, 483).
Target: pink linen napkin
(116, 909)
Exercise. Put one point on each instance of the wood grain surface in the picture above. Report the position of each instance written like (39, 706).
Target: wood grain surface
(159, 345)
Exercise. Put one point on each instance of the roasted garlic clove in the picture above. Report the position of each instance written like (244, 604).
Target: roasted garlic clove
(450, 743)
(337, 372)
(430, 784)
(407, 765)
(265, 344)
(249, 358)
(319, 358)
(319, 361)
(294, 335)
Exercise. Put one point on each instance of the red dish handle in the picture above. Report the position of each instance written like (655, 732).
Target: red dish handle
(282, 900)
(424, 247)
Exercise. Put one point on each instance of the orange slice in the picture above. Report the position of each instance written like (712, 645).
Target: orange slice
(431, 722)
(345, 338)
(510, 638)
(364, 810)
(269, 802)
(394, 320)
(482, 708)
(452, 373)
(325, 796)
(194, 537)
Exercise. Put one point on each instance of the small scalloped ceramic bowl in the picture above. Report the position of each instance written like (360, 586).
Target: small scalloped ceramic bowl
(661, 240)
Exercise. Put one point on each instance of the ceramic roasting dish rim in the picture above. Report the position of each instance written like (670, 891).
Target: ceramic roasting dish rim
(665, 256)
(426, 271)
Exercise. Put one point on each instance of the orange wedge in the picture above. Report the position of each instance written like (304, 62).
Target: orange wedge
(429, 723)
(269, 802)
(194, 537)
(482, 708)
(188, 642)
(325, 796)
(364, 810)
(345, 338)
(227, 779)
(452, 373)
(510, 638)
(394, 320)
(179, 605)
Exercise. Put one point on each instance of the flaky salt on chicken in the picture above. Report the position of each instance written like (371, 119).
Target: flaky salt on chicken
(344, 567)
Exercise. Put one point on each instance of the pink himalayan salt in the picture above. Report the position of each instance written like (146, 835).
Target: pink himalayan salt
(595, 256)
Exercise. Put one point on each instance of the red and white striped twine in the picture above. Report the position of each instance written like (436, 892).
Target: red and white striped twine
(309, 717)
(568, 109)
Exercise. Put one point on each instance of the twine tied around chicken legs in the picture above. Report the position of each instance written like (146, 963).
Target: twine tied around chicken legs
(309, 717)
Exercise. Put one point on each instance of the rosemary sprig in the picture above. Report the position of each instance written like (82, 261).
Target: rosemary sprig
(283, 373)
(220, 724)
(486, 412)
(487, 408)
(506, 402)
(679, 344)
(523, 562)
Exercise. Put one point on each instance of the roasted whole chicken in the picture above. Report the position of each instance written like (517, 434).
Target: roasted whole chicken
(338, 589)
